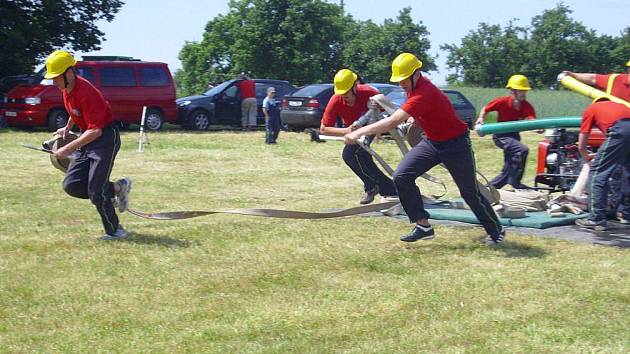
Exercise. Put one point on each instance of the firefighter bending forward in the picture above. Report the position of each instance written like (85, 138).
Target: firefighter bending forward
(350, 102)
(613, 119)
(94, 152)
(446, 142)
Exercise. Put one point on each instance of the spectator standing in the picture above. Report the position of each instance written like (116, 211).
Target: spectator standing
(272, 116)
(249, 106)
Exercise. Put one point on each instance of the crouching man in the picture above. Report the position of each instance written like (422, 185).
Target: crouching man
(94, 152)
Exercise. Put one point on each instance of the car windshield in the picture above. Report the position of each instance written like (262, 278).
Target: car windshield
(310, 90)
(397, 96)
(217, 89)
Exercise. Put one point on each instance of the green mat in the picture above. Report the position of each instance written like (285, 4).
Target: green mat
(538, 220)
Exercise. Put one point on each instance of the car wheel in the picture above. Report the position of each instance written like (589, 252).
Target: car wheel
(154, 120)
(3, 123)
(293, 128)
(199, 120)
(57, 118)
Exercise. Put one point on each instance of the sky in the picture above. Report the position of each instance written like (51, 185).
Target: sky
(157, 30)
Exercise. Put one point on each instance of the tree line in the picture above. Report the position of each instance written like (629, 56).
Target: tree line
(307, 41)
(302, 41)
(552, 43)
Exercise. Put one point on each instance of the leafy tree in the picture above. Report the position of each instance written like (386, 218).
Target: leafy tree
(620, 55)
(559, 43)
(369, 48)
(297, 40)
(488, 56)
(30, 30)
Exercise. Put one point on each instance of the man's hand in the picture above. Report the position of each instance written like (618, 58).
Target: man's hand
(479, 121)
(63, 153)
(350, 138)
(63, 132)
(587, 156)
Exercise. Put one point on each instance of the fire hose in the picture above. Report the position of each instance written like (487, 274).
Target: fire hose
(50, 146)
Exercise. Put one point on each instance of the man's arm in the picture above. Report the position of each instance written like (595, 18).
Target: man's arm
(334, 131)
(587, 78)
(482, 116)
(382, 126)
(582, 143)
(87, 137)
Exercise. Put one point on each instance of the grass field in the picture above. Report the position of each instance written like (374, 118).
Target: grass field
(228, 283)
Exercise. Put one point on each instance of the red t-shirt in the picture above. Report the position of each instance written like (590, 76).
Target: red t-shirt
(433, 111)
(504, 106)
(337, 107)
(620, 87)
(86, 105)
(603, 115)
(248, 88)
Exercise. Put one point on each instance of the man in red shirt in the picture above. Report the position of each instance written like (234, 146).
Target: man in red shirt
(95, 150)
(617, 85)
(350, 102)
(614, 120)
(511, 108)
(249, 105)
(446, 142)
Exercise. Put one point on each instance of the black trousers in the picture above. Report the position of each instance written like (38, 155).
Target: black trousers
(362, 164)
(514, 160)
(88, 175)
(458, 157)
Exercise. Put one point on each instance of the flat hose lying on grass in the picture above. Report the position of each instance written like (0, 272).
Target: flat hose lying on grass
(270, 213)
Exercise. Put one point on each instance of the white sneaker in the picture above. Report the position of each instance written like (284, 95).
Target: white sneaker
(122, 196)
(118, 235)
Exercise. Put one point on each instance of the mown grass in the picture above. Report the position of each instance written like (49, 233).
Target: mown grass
(228, 283)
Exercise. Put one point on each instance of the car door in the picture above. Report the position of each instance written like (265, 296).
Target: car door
(227, 106)
(118, 85)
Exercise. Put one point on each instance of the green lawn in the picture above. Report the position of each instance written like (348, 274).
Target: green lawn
(227, 283)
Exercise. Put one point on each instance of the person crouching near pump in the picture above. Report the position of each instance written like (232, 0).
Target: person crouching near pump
(93, 153)
(613, 119)
(446, 142)
(350, 102)
(511, 108)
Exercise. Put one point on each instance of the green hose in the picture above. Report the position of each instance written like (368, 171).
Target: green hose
(523, 125)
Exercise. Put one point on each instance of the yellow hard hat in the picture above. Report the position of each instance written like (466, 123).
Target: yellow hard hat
(628, 63)
(404, 66)
(518, 82)
(344, 80)
(58, 62)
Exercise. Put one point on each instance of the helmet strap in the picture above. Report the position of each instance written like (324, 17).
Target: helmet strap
(65, 78)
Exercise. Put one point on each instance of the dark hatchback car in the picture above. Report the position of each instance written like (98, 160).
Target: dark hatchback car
(222, 104)
(305, 107)
(464, 109)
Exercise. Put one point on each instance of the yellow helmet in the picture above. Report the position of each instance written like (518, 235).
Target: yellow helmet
(628, 63)
(58, 62)
(404, 66)
(344, 80)
(518, 82)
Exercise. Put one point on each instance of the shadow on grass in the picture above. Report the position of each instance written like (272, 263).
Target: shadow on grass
(617, 235)
(510, 248)
(163, 241)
